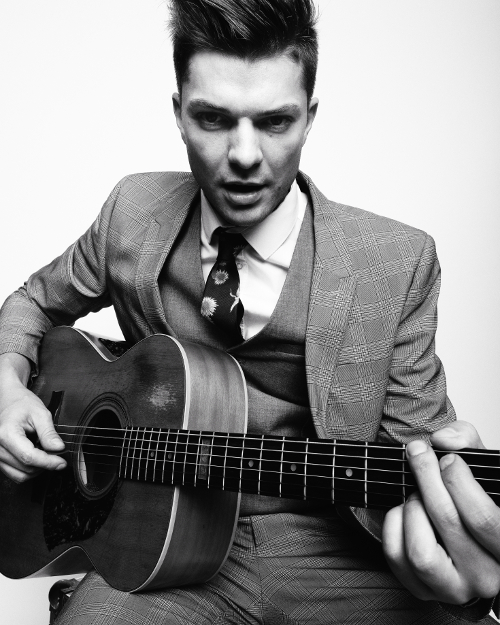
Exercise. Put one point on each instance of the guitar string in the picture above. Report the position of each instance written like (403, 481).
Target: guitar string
(266, 439)
(137, 455)
(245, 450)
(192, 479)
(259, 438)
(265, 470)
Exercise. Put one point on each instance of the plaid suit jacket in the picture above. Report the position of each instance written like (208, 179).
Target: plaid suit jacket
(371, 367)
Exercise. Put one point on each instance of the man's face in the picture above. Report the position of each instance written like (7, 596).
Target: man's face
(244, 124)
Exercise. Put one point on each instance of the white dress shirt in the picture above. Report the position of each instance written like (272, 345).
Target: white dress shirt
(263, 264)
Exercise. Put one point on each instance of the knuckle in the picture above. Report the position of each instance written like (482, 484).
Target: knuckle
(18, 478)
(26, 458)
(460, 596)
(423, 561)
(423, 595)
(486, 521)
(486, 587)
(449, 516)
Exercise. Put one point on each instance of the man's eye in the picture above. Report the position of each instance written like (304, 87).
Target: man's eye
(277, 122)
(210, 119)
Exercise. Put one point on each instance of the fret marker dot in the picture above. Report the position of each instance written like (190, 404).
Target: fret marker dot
(250, 463)
(293, 467)
(348, 472)
(151, 454)
(170, 456)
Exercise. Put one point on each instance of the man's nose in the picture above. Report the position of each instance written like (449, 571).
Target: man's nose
(244, 147)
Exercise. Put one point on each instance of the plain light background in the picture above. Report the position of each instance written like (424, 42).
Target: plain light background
(408, 126)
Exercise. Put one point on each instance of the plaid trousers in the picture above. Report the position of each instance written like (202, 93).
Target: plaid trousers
(283, 569)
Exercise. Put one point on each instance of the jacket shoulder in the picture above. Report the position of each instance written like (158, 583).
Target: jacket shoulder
(356, 221)
(146, 188)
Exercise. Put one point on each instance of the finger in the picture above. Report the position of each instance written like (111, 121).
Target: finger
(478, 511)
(472, 563)
(457, 435)
(7, 459)
(427, 558)
(15, 474)
(393, 545)
(19, 446)
(42, 424)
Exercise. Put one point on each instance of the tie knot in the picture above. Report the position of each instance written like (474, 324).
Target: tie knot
(230, 244)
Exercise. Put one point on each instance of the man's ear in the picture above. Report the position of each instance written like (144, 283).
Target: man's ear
(311, 114)
(176, 101)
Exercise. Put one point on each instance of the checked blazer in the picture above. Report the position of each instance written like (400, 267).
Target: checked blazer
(371, 368)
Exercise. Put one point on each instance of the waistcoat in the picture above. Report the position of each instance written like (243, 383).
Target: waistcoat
(272, 360)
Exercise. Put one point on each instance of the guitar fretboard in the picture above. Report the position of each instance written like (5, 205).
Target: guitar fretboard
(363, 474)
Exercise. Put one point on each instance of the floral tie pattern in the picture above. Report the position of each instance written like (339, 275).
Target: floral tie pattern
(221, 299)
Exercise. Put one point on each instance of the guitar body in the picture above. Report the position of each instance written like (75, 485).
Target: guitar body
(138, 535)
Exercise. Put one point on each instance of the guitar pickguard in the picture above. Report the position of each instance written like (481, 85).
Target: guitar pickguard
(69, 516)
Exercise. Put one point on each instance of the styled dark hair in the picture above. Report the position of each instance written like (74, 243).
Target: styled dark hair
(246, 28)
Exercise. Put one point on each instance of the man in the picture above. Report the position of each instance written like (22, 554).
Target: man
(330, 311)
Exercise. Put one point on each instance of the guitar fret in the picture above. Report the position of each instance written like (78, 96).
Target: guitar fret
(250, 463)
(293, 467)
(150, 455)
(319, 478)
(185, 459)
(198, 461)
(123, 471)
(165, 458)
(260, 463)
(209, 468)
(134, 453)
(271, 462)
(305, 469)
(240, 484)
(281, 467)
(334, 449)
(225, 464)
(403, 458)
(143, 457)
(170, 455)
(179, 459)
(386, 479)
(157, 451)
(366, 474)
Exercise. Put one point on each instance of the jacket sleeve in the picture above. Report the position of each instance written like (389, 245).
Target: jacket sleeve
(416, 403)
(70, 287)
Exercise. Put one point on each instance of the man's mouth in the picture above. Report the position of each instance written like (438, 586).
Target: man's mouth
(243, 187)
(243, 193)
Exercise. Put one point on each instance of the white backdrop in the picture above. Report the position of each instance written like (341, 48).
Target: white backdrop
(408, 126)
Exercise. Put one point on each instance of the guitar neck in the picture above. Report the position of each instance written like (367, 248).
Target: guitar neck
(363, 474)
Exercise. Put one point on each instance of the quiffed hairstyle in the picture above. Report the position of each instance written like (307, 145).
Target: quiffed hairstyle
(246, 28)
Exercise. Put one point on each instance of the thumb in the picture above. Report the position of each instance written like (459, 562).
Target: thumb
(47, 435)
(457, 435)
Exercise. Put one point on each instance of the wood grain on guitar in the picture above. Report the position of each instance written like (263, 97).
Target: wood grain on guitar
(157, 458)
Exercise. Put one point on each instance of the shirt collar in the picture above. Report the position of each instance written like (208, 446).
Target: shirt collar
(265, 237)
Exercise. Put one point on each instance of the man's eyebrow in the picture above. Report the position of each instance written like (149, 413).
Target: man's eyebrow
(290, 109)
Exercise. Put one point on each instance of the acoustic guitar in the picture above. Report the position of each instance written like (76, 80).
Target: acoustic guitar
(158, 455)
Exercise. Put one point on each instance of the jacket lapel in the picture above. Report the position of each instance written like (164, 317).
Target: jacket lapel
(169, 216)
(332, 290)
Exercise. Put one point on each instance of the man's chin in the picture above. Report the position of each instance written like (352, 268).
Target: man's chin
(243, 216)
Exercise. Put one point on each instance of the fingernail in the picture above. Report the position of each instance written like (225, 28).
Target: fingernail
(415, 448)
(446, 461)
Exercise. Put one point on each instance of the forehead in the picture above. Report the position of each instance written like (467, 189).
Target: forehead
(242, 85)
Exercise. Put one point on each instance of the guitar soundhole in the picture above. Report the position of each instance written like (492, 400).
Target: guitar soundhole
(98, 456)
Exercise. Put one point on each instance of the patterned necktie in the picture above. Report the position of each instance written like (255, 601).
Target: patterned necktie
(221, 299)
